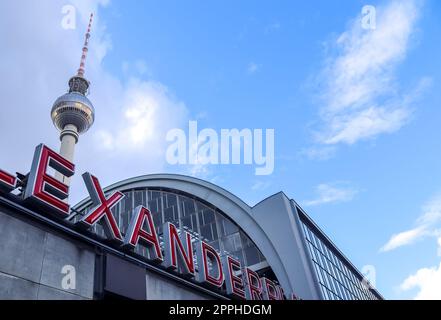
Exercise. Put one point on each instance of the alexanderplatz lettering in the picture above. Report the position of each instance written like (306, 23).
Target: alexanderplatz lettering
(43, 190)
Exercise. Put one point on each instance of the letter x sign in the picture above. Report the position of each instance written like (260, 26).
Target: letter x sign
(102, 209)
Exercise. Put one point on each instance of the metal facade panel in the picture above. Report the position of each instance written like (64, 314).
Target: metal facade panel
(124, 278)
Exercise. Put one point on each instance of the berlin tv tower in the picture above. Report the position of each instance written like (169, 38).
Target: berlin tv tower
(73, 113)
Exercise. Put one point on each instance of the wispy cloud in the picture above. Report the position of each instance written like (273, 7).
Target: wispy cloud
(253, 68)
(332, 193)
(404, 238)
(138, 66)
(360, 93)
(260, 185)
(426, 225)
(319, 152)
(272, 27)
(426, 280)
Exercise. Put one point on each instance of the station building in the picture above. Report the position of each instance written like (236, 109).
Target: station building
(159, 236)
(275, 238)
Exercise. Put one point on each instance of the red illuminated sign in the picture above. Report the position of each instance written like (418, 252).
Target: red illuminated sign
(206, 256)
(42, 188)
(233, 282)
(253, 288)
(102, 209)
(136, 233)
(178, 250)
(221, 272)
(7, 181)
(269, 289)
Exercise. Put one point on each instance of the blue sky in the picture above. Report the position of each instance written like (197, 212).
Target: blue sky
(355, 112)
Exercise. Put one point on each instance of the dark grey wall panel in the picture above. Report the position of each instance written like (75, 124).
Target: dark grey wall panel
(59, 253)
(47, 293)
(124, 278)
(32, 258)
(161, 288)
(14, 288)
(21, 248)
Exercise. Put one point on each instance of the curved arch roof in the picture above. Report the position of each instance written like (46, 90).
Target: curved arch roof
(231, 206)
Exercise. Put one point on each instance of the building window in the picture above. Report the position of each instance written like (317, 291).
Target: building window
(336, 278)
(207, 223)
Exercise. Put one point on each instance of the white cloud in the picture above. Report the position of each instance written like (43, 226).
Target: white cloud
(428, 282)
(128, 136)
(138, 66)
(360, 94)
(426, 225)
(253, 68)
(404, 238)
(272, 27)
(148, 112)
(349, 128)
(260, 185)
(332, 193)
(319, 153)
(431, 211)
(439, 246)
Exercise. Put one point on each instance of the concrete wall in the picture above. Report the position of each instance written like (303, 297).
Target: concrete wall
(161, 288)
(32, 258)
(133, 281)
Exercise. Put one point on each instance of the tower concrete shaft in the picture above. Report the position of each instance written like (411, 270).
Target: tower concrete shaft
(69, 138)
